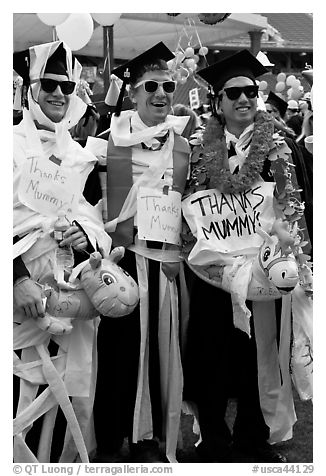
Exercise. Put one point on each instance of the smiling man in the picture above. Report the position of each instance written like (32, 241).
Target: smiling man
(227, 350)
(60, 169)
(137, 357)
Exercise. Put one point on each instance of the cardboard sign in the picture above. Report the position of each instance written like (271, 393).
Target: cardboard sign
(225, 224)
(159, 215)
(46, 187)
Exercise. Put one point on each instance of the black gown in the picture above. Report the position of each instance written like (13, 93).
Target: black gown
(221, 360)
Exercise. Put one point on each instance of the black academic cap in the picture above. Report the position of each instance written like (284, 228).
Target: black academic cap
(157, 52)
(57, 63)
(128, 71)
(309, 75)
(277, 102)
(242, 63)
(21, 61)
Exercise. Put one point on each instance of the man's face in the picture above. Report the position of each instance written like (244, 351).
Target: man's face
(152, 107)
(54, 105)
(239, 112)
(270, 108)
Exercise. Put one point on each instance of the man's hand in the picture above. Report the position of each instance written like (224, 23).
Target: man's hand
(75, 237)
(28, 296)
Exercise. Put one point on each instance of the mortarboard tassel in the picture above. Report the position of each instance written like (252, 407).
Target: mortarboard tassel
(211, 97)
(17, 106)
(118, 107)
(112, 96)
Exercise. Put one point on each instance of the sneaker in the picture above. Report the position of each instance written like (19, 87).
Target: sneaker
(208, 454)
(146, 451)
(113, 457)
(261, 453)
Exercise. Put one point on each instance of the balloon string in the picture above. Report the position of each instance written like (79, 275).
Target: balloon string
(107, 60)
(108, 51)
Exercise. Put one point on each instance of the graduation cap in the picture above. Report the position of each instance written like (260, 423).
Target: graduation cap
(309, 75)
(277, 102)
(21, 63)
(129, 72)
(57, 63)
(242, 63)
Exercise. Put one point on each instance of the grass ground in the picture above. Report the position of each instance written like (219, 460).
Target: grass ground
(297, 450)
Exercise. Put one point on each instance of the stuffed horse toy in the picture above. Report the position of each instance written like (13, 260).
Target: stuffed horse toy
(102, 288)
(275, 260)
(270, 274)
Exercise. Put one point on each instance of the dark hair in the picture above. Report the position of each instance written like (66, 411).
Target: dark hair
(157, 65)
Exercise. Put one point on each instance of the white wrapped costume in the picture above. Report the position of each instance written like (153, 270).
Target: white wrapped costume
(38, 153)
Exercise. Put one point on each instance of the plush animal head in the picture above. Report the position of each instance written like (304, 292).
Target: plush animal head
(276, 259)
(113, 292)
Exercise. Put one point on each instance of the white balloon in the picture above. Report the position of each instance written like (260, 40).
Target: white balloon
(290, 79)
(106, 19)
(280, 86)
(296, 94)
(296, 84)
(289, 93)
(281, 77)
(76, 31)
(262, 85)
(53, 19)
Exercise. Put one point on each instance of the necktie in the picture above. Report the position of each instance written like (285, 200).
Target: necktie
(159, 146)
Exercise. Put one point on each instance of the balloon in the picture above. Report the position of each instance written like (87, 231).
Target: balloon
(296, 94)
(203, 51)
(106, 19)
(296, 84)
(281, 77)
(262, 85)
(189, 63)
(76, 31)
(280, 86)
(189, 52)
(53, 19)
(290, 79)
(177, 76)
(289, 93)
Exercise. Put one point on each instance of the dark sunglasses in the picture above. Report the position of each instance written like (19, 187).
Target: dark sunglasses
(50, 85)
(235, 92)
(151, 86)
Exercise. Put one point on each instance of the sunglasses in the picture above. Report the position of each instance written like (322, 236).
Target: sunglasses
(235, 92)
(50, 85)
(151, 86)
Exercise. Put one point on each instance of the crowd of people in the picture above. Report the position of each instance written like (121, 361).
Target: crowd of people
(190, 344)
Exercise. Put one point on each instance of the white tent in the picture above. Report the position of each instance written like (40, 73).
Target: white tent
(136, 32)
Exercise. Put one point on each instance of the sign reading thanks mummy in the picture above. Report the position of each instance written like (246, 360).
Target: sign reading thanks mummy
(46, 187)
(226, 222)
(159, 215)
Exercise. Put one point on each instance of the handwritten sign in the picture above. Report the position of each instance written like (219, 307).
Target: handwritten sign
(159, 215)
(47, 187)
(225, 224)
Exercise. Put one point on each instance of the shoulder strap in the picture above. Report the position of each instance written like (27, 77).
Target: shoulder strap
(119, 182)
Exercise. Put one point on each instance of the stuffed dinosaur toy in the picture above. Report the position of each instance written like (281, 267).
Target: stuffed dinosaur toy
(102, 287)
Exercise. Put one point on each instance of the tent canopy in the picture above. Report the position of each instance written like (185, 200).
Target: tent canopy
(136, 32)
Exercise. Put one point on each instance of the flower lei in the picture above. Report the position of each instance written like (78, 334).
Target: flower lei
(210, 170)
(215, 155)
